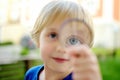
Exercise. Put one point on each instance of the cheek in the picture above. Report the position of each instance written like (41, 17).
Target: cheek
(46, 50)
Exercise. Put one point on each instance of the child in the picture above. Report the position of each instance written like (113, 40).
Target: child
(74, 63)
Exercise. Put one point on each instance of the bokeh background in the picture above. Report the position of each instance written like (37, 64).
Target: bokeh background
(18, 52)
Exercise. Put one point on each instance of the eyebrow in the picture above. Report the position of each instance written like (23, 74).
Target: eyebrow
(51, 29)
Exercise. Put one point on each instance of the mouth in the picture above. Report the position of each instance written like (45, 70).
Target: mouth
(60, 60)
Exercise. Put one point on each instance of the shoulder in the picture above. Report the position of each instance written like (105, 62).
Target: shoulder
(33, 73)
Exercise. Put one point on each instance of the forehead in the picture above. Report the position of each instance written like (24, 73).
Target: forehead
(78, 28)
(61, 24)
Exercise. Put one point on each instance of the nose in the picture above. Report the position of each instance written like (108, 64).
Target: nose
(61, 49)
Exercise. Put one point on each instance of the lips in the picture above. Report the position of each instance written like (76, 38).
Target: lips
(60, 60)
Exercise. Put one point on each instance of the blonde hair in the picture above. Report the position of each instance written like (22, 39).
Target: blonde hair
(60, 10)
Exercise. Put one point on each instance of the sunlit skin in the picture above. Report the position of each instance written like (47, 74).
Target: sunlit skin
(60, 61)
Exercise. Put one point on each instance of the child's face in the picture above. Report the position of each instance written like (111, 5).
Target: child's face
(53, 54)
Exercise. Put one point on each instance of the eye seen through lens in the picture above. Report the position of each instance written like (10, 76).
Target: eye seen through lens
(73, 41)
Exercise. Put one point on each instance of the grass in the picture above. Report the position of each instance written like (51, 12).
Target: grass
(110, 68)
(118, 53)
(109, 63)
(13, 71)
(102, 51)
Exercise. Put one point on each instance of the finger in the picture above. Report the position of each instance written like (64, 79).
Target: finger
(87, 73)
(84, 62)
(85, 66)
(80, 51)
(87, 70)
(86, 51)
(75, 52)
(84, 77)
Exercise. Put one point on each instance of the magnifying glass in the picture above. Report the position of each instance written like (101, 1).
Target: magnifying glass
(74, 32)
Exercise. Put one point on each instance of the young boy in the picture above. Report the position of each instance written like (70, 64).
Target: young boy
(74, 63)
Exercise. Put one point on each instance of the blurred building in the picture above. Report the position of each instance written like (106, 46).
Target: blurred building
(17, 18)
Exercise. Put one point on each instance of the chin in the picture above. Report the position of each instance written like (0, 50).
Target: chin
(61, 69)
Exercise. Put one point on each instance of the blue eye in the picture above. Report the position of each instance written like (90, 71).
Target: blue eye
(73, 41)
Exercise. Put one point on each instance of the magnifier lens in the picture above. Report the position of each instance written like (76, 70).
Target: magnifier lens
(72, 32)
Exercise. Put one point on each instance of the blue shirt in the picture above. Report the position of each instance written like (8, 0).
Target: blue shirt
(33, 73)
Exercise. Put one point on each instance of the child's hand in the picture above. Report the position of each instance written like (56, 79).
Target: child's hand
(85, 64)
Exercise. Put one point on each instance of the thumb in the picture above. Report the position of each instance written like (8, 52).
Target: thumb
(76, 51)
